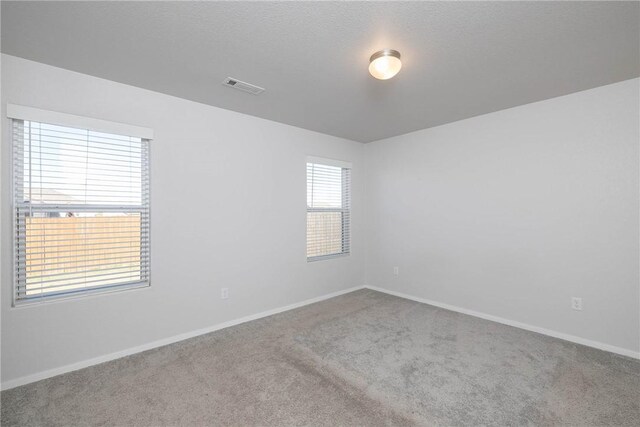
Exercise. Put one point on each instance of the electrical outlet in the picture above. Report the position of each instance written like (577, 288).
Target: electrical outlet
(576, 303)
(224, 293)
(396, 271)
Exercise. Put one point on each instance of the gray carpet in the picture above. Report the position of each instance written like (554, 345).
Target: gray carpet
(364, 358)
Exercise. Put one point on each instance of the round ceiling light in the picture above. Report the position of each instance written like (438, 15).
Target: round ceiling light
(385, 64)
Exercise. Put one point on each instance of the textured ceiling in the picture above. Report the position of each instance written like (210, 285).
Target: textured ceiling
(459, 59)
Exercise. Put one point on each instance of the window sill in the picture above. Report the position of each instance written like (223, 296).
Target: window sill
(323, 257)
(79, 295)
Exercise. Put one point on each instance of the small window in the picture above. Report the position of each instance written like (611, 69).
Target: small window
(328, 209)
(81, 210)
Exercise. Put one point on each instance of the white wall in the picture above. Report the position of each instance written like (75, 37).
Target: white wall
(512, 213)
(228, 210)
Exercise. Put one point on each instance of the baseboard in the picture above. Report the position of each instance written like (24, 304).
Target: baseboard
(549, 332)
(6, 385)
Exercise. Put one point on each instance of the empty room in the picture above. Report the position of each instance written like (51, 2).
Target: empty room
(318, 213)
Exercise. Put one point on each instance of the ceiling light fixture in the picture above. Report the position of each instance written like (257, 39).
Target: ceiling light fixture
(385, 64)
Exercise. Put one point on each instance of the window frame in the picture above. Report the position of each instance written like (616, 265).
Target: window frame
(345, 210)
(24, 114)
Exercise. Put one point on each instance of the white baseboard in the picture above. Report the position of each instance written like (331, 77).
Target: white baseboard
(6, 385)
(549, 332)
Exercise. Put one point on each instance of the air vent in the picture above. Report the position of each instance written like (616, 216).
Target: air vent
(243, 86)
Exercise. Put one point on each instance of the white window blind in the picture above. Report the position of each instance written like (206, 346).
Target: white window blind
(328, 209)
(81, 210)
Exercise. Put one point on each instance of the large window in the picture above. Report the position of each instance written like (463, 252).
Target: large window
(328, 208)
(81, 210)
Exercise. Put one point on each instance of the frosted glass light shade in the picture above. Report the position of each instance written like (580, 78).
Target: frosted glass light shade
(385, 64)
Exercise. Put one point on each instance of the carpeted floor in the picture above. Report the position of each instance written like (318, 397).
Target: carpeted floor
(364, 358)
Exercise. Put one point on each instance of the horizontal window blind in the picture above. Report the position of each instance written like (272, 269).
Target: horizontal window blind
(328, 211)
(81, 205)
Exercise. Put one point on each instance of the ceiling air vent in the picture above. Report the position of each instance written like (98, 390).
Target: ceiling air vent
(243, 86)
